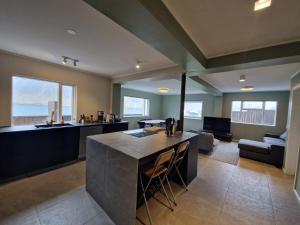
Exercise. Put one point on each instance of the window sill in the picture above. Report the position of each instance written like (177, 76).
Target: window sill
(193, 118)
(254, 124)
(134, 116)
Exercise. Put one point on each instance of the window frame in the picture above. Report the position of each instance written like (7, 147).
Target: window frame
(194, 118)
(60, 84)
(146, 106)
(263, 115)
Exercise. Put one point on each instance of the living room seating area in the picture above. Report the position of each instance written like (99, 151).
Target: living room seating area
(270, 150)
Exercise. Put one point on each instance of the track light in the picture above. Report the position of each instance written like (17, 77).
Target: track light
(66, 59)
(75, 62)
(138, 65)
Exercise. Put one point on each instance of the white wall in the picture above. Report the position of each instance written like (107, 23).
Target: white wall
(93, 91)
(293, 142)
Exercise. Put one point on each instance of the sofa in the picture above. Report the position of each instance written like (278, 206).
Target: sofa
(269, 150)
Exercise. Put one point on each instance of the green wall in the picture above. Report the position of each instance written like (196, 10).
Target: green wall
(155, 106)
(171, 104)
(256, 132)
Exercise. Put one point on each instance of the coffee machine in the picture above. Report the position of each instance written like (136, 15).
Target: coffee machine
(101, 117)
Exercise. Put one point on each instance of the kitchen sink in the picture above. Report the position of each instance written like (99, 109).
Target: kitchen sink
(53, 125)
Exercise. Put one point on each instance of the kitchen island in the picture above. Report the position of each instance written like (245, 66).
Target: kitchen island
(112, 166)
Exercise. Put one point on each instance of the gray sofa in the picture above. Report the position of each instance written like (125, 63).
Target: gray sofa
(270, 150)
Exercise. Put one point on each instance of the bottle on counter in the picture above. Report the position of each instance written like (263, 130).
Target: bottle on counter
(62, 121)
(81, 120)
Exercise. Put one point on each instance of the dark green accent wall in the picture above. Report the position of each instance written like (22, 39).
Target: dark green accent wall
(116, 99)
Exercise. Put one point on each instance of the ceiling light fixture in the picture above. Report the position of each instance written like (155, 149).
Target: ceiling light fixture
(164, 90)
(70, 31)
(247, 88)
(138, 65)
(242, 78)
(261, 4)
(75, 61)
(66, 59)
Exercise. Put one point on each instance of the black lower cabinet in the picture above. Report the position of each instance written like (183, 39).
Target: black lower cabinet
(115, 127)
(26, 153)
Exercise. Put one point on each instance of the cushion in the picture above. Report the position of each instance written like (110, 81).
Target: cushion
(216, 142)
(284, 136)
(274, 141)
(254, 146)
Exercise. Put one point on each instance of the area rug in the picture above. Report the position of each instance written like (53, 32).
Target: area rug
(224, 152)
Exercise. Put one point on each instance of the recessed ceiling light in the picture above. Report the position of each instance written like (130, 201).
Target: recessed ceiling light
(247, 88)
(164, 90)
(261, 4)
(70, 31)
(242, 78)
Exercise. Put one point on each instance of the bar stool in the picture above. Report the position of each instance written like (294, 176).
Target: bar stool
(157, 170)
(177, 160)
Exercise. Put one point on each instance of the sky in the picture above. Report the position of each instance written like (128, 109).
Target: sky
(38, 92)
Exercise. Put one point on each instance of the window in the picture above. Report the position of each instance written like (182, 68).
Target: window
(135, 106)
(254, 112)
(33, 101)
(193, 110)
(67, 102)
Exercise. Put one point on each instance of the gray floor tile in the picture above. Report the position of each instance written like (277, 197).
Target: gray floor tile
(76, 210)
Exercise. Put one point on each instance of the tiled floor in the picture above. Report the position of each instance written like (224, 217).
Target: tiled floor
(251, 193)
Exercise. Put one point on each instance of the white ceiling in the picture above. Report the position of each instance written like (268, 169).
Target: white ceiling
(223, 27)
(173, 84)
(37, 28)
(271, 78)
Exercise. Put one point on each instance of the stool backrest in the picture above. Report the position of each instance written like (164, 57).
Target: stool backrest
(181, 151)
(165, 157)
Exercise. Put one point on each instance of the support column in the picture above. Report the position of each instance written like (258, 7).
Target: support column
(182, 100)
(116, 99)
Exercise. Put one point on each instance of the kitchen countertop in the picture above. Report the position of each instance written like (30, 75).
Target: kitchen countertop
(33, 128)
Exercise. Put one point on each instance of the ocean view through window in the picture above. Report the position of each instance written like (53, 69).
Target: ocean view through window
(33, 101)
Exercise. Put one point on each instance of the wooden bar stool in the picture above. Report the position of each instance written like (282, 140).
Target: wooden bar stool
(177, 160)
(157, 170)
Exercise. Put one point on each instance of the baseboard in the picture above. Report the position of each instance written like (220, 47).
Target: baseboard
(297, 195)
(287, 172)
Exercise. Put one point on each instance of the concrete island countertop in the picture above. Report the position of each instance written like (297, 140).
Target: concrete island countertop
(140, 147)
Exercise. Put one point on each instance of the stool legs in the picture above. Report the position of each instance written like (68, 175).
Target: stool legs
(180, 177)
(172, 194)
(145, 200)
(167, 197)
